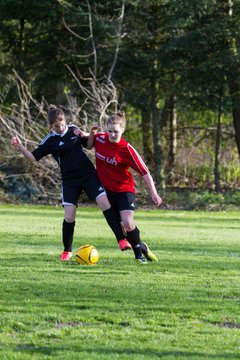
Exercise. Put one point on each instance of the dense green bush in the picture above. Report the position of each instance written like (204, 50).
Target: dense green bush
(201, 200)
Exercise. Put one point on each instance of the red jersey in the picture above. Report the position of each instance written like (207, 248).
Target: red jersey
(113, 161)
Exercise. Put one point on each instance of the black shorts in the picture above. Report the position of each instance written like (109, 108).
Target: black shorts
(72, 189)
(122, 200)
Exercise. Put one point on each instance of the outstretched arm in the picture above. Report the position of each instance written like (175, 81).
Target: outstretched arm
(94, 130)
(90, 136)
(19, 146)
(80, 133)
(152, 189)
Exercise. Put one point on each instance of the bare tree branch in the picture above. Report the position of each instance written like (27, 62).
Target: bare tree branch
(118, 40)
(73, 32)
(92, 39)
(28, 118)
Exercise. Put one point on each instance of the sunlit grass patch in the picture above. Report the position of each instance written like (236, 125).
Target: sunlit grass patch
(186, 306)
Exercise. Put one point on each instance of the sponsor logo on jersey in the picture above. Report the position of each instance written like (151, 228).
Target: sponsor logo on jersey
(73, 137)
(101, 157)
(101, 139)
(132, 205)
(109, 160)
(101, 188)
(61, 143)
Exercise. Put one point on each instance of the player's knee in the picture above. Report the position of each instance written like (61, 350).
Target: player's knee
(69, 219)
(69, 213)
(129, 224)
(103, 202)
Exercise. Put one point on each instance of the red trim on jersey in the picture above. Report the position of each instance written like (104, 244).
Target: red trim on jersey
(113, 161)
(143, 170)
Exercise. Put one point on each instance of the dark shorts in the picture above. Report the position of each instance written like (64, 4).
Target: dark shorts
(122, 200)
(72, 189)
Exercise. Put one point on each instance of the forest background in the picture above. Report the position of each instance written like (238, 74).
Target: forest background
(172, 66)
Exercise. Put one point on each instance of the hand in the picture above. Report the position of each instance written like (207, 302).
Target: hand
(94, 128)
(156, 199)
(15, 141)
(80, 133)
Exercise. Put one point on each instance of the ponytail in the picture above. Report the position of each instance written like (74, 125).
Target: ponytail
(55, 114)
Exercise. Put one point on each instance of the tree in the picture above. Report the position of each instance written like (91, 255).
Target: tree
(29, 33)
(231, 11)
(99, 96)
(139, 56)
(197, 50)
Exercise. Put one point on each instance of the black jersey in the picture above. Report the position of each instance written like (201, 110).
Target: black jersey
(67, 150)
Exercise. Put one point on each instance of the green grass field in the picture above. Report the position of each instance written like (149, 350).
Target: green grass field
(186, 306)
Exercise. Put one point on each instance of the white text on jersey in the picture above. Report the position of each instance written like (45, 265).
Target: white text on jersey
(100, 140)
(109, 160)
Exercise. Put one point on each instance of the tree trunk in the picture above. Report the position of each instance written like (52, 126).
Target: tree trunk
(157, 146)
(147, 138)
(173, 138)
(234, 74)
(234, 87)
(20, 64)
(217, 148)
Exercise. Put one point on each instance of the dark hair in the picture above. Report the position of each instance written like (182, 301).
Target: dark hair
(55, 114)
(118, 118)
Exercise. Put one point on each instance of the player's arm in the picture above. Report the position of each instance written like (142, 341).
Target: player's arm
(93, 131)
(89, 136)
(137, 163)
(152, 189)
(16, 142)
(81, 133)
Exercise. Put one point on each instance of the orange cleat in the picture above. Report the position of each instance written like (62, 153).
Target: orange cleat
(65, 256)
(124, 245)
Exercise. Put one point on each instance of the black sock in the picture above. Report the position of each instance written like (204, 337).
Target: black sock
(113, 221)
(143, 246)
(67, 235)
(134, 239)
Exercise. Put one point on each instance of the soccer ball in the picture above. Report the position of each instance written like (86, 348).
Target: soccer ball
(87, 255)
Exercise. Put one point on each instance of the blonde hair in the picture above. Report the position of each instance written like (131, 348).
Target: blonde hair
(118, 118)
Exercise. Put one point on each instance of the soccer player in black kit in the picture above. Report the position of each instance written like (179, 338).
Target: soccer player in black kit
(77, 174)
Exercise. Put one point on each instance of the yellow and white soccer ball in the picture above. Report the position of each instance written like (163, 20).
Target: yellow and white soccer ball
(87, 255)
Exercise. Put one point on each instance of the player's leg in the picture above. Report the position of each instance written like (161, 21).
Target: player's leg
(95, 191)
(127, 217)
(113, 221)
(68, 231)
(133, 236)
(68, 226)
(70, 195)
(126, 204)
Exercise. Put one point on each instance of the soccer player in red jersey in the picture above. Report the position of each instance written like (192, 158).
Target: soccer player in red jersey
(77, 174)
(114, 157)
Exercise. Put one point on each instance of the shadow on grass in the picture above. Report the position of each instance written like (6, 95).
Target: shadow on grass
(185, 219)
(47, 350)
(90, 213)
(51, 213)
